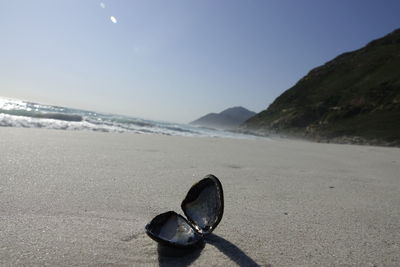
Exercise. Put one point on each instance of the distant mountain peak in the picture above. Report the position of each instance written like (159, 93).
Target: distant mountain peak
(228, 119)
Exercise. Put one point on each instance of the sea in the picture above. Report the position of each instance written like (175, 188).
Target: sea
(18, 113)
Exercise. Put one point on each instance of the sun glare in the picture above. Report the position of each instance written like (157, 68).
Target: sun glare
(113, 19)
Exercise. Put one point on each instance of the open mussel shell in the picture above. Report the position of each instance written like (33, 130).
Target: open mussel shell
(172, 229)
(204, 204)
(203, 207)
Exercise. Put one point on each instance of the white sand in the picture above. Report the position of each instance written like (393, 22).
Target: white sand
(83, 198)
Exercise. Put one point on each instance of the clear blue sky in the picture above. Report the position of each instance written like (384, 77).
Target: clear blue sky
(176, 60)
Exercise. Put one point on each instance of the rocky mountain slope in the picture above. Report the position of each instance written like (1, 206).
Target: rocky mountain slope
(352, 98)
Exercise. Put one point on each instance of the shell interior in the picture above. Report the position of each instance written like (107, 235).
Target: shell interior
(204, 204)
(172, 229)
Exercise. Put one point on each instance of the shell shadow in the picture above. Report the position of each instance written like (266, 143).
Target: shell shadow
(230, 250)
(168, 256)
(181, 257)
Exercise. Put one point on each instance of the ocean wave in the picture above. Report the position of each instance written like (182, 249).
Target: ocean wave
(179, 129)
(31, 122)
(17, 113)
(7, 120)
(112, 120)
(42, 115)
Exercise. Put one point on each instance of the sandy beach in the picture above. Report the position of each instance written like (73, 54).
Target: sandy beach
(83, 198)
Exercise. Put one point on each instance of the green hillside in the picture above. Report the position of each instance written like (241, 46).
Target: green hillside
(352, 98)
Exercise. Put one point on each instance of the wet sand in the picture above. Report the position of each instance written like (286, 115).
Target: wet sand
(83, 198)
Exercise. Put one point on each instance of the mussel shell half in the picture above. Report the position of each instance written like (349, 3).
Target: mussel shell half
(204, 204)
(172, 229)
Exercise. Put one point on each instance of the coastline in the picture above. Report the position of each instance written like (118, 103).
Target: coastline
(300, 136)
(83, 198)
